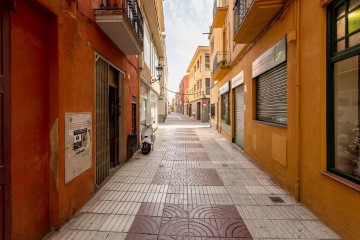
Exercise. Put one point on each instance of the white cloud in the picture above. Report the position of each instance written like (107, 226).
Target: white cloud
(185, 21)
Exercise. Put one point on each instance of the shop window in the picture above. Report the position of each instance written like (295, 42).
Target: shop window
(343, 89)
(225, 108)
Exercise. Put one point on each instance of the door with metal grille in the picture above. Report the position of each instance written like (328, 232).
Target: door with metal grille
(4, 123)
(239, 116)
(102, 121)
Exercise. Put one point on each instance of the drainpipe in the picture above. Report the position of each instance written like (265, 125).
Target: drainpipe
(297, 104)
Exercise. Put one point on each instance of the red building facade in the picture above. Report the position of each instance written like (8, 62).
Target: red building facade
(61, 61)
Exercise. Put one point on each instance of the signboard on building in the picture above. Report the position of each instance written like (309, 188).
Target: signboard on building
(237, 80)
(77, 144)
(270, 59)
(224, 88)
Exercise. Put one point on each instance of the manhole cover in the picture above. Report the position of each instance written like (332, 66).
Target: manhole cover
(276, 199)
(161, 165)
(225, 165)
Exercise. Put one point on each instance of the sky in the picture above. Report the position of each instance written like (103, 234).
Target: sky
(185, 23)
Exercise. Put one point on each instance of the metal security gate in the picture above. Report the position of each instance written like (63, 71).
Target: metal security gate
(4, 123)
(239, 116)
(271, 95)
(102, 121)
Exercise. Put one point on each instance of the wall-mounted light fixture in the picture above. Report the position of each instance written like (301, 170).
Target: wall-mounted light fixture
(159, 70)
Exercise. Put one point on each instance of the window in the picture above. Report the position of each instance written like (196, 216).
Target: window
(271, 96)
(225, 108)
(343, 89)
(212, 111)
(207, 62)
(207, 83)
(200, 64)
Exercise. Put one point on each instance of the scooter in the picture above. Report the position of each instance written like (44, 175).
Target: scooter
(147, 138)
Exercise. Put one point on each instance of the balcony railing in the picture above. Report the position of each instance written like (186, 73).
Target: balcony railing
(219, 12)
(241, 8)
(252, 16)
(221, 60)
(219, 4)
(107, 18)
(221, 65)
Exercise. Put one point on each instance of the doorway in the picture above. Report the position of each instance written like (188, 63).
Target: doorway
(4, 123)
(109, 123)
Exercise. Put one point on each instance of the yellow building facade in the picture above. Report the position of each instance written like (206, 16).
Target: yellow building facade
(198, 71)
(288, 79)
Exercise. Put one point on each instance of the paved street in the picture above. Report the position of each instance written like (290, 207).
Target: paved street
(193, 186)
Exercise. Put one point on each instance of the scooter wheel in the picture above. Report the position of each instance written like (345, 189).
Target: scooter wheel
(146, 148)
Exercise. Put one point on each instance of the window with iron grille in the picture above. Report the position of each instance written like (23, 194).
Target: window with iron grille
(343, 84)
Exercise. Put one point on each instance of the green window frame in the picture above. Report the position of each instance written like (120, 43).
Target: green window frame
(343, 47)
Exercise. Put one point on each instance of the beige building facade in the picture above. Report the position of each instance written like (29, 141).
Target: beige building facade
(199, 85)
(288, 73)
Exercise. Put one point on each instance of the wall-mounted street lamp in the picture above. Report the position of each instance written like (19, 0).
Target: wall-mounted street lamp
(159, 70)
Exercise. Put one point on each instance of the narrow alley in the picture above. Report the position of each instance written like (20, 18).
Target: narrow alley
(194, 185)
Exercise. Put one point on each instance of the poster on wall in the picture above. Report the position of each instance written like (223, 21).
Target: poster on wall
(77, 144)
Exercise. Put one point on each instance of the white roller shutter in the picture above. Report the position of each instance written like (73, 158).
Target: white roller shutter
(271, 96)
(239, 116)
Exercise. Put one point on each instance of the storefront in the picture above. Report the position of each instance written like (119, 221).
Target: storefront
(225, 108)
(270, 72)
(154, 106)
(237, 83)
(144, 104)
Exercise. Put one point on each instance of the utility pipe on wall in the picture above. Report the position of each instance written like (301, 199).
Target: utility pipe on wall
(297, 104)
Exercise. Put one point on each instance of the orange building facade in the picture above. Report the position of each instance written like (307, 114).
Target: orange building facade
(288, 73)
(70, 82)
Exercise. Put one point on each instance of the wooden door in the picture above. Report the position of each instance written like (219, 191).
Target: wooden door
(4, 124)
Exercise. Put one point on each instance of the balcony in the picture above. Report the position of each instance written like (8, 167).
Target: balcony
(122, 21)
(252, 16)
(220, 65)
(219, 12)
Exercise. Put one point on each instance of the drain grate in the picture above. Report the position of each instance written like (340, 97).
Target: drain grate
(276, 199)
(225, 165)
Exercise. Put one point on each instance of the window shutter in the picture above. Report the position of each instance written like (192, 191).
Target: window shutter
(271, 95)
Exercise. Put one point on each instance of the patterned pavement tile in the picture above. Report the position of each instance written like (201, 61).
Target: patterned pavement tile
(233, 228)
(146, 225)
(174, 227)
(135, 236)
(151, 209)
(193, 186)
(176, 211)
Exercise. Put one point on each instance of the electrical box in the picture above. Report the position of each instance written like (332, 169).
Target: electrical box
(78, 147)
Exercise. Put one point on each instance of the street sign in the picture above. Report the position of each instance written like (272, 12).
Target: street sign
(204, 104)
